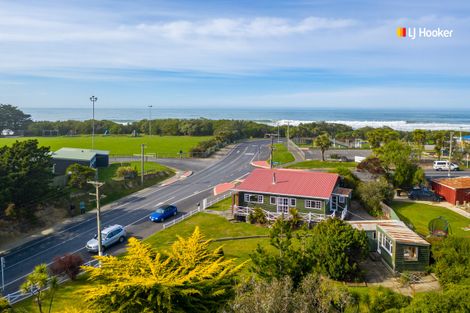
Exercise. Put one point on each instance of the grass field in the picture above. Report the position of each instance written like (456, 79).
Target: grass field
(223, 205)
(419, 215)
(281, 155)
(320, 164)
(211, 226)
(169, 146)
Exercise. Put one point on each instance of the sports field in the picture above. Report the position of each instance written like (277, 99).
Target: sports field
(168, 146)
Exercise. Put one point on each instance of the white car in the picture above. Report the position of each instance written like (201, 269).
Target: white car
(109, 236)
(444, 166)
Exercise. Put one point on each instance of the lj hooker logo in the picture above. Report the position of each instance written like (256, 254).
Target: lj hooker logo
(423, 32)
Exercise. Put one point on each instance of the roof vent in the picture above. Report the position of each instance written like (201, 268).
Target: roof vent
(274, 178)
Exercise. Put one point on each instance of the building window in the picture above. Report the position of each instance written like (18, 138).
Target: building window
(341, 199)
(313, 204)
(253, 198)
(386, 243)
(410, 253)
(292, 202)
(273, 200)
(374, 235)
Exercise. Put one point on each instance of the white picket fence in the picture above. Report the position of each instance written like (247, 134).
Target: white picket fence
(181, 218)
(213, 200)
(19, 295)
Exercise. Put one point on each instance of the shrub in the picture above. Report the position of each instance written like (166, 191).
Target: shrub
(5, 307)
(452, 256)
(373, 193)
(382, 299)
(126, 172)
(372, 165)
(68, 264)
(257, 216)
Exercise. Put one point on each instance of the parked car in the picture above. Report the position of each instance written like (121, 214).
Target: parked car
(109, 236)
(424, 194)
(164, 212)
(444, 166)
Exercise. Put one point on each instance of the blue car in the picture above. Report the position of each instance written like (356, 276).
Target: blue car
(163, 213)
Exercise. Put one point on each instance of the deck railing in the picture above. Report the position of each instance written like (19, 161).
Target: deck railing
(181, 218)
(272, 216)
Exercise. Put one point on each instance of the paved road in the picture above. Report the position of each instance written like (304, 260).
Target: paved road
(440, 174)
(132, 212)
(315, 154)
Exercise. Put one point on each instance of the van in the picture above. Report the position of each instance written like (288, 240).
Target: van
(444, 166)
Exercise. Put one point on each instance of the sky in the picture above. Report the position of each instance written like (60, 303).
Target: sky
(220, 53)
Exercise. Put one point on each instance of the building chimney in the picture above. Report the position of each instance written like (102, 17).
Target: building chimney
(274, 178)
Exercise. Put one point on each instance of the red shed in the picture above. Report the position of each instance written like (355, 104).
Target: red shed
(453, 189)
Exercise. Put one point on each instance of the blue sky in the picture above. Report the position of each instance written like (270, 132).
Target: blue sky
(233, 54)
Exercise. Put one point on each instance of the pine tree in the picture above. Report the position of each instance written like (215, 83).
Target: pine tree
(189, 277)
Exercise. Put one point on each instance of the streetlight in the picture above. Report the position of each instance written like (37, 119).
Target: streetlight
(93, 99)
(150, 119)
(450, 154)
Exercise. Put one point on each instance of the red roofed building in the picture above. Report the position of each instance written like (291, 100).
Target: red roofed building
(315, 195)
(454, 190)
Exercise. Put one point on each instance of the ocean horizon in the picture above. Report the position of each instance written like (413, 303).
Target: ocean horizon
(399, 119)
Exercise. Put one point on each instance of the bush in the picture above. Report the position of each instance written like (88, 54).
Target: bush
(373, 193)
(257, 216)
(452, 256)
(382, 299)
(79, 175)
(5, 307)
(68, 265)
(126, 172)
(372, 165)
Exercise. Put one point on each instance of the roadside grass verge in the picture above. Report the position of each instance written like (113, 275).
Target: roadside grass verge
(419, 215)
(167, 146)
(310, 164)
(211, 226)
(281, 155)
(109, 172)
(222, 205)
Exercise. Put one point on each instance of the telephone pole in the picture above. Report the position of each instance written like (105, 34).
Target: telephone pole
(450, 154)
(150, 119)
(142, 148)
(272, 147)
(93, 99)
(97, 186)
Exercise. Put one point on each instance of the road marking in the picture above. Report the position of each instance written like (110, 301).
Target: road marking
(146, 191)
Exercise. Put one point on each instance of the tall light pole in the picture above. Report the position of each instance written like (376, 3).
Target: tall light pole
(450, 154)
(142, 147)
(93, 99)
(97, 186)
(150, 119)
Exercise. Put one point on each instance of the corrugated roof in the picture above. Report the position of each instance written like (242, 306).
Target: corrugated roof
(402, 234)
(74, 154)
(343, 191)
(371, 225)
(454, 183)
(86, 150)
(290, 182)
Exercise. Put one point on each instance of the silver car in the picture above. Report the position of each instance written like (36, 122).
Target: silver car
(109, 236)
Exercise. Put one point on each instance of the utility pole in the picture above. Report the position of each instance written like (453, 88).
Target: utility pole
(450, 154)
(150, 119)
(288, 136)
(93, 99)
(278, 134)
(97, 186)
(142, 147)
(272, 147)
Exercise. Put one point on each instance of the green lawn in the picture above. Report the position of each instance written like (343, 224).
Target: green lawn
(212, 226)
(168, 146)
(320, 164)
(223, 205)
(419, 215)
(281, 155)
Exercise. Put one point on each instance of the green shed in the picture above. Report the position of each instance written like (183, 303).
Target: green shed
(401, 248)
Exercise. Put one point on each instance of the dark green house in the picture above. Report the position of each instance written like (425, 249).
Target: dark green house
(316, 195)
(400, 248)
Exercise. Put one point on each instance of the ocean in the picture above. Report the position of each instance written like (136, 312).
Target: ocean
(436, 119)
